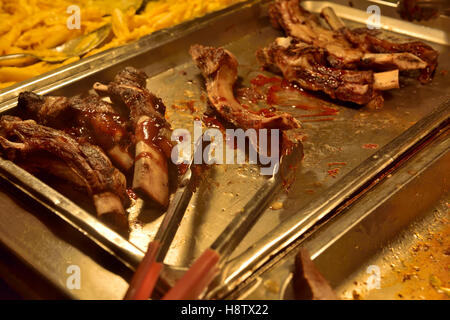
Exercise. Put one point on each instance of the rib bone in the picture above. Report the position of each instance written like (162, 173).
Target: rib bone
(82, 164)
(340, 42)
(412, 55)
(306, 65)
(219, 68)
(152, 132)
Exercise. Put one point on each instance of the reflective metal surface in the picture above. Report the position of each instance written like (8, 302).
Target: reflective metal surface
(398, 231)
(342, 153)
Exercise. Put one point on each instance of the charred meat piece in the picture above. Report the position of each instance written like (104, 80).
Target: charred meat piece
(89, 118)
(387, 51)
(82, 164)
(371, 41)
(305, 26)
(219, 68)
(341, 49)
(307, 66)
(309, 283)
(152, 132)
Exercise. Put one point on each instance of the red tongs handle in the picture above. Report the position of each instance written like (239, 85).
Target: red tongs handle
(197, 278)
(146, 275)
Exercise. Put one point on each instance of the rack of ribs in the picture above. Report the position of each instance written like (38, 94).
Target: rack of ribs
(152, 132)
(90, 118)
(350, 49)
(306, 65)
(41, 148)
(382, 50)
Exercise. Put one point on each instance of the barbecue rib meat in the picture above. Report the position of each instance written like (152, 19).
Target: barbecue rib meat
(409, 10)
(305, 26)
(89, 118)
(152, 132)
(371, 41)
(219, 68)
(82, 164)
(306, 65)
(350, 49)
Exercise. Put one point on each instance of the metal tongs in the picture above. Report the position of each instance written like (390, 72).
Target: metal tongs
(205, 269)
(148, 271)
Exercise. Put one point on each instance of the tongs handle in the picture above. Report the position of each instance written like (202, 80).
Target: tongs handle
(146, 275)
(205, 268)
(197, 278)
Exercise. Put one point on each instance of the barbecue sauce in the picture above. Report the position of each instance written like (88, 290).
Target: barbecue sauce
(272, 91)
(150, 131)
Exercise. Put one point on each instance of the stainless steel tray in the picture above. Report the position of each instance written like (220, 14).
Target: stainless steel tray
(243, 28)
(390, 243)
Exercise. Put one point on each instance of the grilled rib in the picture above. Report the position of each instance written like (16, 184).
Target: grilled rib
(152, 132)
(306, 65)
(82, 164)
(88, 118)
(405, 55)
(371, 41)
(344, 46)
(219, 68)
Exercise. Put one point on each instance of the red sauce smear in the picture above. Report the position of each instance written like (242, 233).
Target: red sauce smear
(278, 85)
(148, 132)
(370, 146)
(182, 168)
(327, 111)
(262, 80)
(143, 155)
(332, 164)
(334, 172)
(318, 120)
(131, 194)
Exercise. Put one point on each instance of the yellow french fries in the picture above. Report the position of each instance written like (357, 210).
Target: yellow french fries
(34, 26)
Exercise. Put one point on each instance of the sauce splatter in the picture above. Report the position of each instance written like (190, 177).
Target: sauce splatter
(131, 194)
(332, 164)
(275, 91)
(333, 172)
(370, 146)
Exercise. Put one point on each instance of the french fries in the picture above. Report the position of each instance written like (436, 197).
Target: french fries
(35, 26)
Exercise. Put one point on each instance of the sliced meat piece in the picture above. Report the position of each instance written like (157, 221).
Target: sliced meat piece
(80, 163)
(219, 68)
(309, 283)
(88, 118)
(152, 132)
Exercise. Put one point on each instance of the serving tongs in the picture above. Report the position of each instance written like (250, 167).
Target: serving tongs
(207, 267)
(147, 274)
